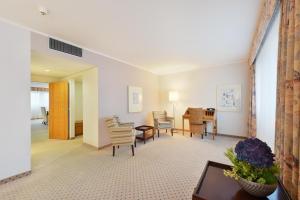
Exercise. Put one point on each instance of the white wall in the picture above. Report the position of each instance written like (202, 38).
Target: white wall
(78, 101)
(266, 80)
(113, 99)
(197, 88)
(15, 101)
(72, 110)
(90, 104)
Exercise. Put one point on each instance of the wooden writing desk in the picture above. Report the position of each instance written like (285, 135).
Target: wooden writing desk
(210, 117)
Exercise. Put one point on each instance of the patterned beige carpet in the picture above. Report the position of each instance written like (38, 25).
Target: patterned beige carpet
(167, 168)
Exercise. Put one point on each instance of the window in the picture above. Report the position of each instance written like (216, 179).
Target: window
(266, 81)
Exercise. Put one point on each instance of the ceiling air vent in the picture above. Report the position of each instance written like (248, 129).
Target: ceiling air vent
(64, 47)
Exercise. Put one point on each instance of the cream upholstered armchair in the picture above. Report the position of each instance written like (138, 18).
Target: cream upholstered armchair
(120, 133)
(162, 121)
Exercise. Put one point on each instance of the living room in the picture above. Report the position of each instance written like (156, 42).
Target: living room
(160, 65)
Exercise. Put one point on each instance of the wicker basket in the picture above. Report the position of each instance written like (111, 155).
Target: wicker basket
(257, 189)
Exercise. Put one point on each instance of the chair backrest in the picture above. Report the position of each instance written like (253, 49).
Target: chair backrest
(196, 115)
(159, 115)
(44, 112)
(117, 119)
(111, 122)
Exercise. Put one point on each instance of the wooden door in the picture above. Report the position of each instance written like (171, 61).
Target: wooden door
(59, 110)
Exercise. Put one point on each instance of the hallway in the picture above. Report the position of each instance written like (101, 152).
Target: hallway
(45, 151)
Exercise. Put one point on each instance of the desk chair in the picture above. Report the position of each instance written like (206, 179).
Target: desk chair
(197, 125)
(45, 115)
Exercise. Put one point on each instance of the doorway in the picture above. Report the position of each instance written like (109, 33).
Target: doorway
(63, 127)
(39, 96)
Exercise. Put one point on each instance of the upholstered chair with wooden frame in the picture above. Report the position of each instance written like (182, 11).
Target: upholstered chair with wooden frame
(197, 126)
(162, 121)
(120, 135)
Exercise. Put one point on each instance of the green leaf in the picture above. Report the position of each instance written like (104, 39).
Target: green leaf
(269, 177)
(261, 181)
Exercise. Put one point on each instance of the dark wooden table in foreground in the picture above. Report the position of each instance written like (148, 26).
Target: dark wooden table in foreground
(213, 185)
(148, 132)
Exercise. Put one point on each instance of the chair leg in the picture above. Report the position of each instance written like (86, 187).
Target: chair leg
(166, 130)
(135, 143)
(172, 131)
(202, 136)
(118, 146)
(153, 133)
(114, 149)
(132, 149)
(158, 132)
(191, 134)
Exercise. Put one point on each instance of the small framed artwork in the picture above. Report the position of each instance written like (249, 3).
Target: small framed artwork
(135, 99)
(229, 98)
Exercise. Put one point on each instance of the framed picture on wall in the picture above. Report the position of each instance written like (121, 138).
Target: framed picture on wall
(135, 99)
(229, 98)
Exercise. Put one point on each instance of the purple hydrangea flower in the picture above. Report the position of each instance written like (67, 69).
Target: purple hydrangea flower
(255, 152)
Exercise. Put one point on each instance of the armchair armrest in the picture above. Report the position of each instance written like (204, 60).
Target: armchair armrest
(155, 121)
(121, 129)
(127, 124)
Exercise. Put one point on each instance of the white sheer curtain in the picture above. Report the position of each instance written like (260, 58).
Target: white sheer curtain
(38, 99)
(266, 81)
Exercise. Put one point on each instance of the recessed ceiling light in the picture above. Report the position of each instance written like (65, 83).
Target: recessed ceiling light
(47, 70)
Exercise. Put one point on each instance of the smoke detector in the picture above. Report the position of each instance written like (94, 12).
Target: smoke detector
(43, 11)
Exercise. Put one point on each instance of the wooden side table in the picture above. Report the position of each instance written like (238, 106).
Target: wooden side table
(214, 185)
(78, 128)
(144, 136)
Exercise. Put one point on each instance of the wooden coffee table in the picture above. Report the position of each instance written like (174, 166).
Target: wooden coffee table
(148, 132)
(214, 185)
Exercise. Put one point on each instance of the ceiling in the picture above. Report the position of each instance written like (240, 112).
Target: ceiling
(55, 66)
(161, 36)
